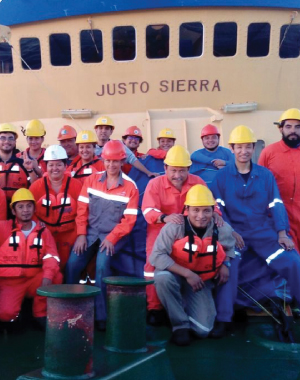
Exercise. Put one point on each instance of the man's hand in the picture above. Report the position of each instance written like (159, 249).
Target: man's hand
(239, 242)
(27, 162)
(151, 174)
(174, 218)
(218, 163)
(218, 220)
(80, 245)
(110, 248)
(222, 275)
(195, 281)
(286, 243)
(46, 282)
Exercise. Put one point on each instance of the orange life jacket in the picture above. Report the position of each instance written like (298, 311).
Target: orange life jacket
(202, 256)
(13, 176)
(82, 171)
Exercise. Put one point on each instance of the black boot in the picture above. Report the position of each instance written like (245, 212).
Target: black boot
(156, 317)
(181, 337)
(219, 330)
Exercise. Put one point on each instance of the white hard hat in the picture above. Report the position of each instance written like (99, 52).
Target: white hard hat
(55, 152)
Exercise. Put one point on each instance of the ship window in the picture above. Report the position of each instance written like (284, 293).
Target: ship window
(31, 53)
(190, 39)
(225, 39)
(91, 46)
(60, 49)
(289, 41)
(157, 41)
(258, 39)
(6, 62)
(124, 43)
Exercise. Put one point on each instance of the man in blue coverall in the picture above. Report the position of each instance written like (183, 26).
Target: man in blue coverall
(248, 195)
(208, 161)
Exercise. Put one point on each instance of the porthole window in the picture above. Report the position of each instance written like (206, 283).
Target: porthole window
(190, 39)
(124, 44)
(91, 46)
(31, 53)
(225, 39)
(6, 62)
(60, 49)
(258, 42)
(157, 41)
(289, 46)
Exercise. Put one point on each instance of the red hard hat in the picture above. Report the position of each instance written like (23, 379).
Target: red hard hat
(66, 132)
(209, 130)
(133, 131)
(114, 150)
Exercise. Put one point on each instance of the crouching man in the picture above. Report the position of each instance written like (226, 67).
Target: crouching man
(28, 260)
(187, 258)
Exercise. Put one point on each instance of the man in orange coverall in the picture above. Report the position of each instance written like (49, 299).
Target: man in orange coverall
(28, 260)
(282, 158)
(164, 202)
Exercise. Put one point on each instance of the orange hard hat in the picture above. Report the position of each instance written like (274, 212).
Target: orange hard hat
(133, 131)
(209, 129)
(114, 150)
(66, 132)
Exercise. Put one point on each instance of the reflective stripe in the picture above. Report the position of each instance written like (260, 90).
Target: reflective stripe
(13, 241)
(131, 211)
(148, 274)
(129, 179)
(274, 255)
(221, 201)
(199, 325)
(83, 199)
(150, 209)
(276, 200)
(110, 197)
(49, 256)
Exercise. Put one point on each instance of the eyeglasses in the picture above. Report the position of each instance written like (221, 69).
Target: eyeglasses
(5, 138)
(133, 138)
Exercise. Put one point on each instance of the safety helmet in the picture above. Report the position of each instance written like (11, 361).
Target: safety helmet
(6, 127)
(114, 150)
(66, 132)
(85, 137)
(22, 195)
(54, 153)
(290, 114)
(242, 135)
(166, 133)
(199, 195)
(178, 156)
(133, 131)
(209, 129)
(35, 128)
(105, 120)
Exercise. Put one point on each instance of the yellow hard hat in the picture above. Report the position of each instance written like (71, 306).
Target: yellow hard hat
(242, 135)
(6, 127)
(105, 120)
(199, 195)
(22, 195)
(85, 137)
(166, 133)
(178, 156)
(290, 114)
(35, 128)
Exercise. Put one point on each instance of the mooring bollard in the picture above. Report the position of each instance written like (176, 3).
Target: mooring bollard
(126, 308)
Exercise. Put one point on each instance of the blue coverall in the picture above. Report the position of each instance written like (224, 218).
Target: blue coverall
(203, 166)
(254, 210)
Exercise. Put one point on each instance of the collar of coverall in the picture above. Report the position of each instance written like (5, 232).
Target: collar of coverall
(120, 179)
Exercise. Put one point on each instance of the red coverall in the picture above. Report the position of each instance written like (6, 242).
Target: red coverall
(24, 262)
(3, 205)
(161, 197)
(158, 153)
(283, 162)
(58, 211)
(41, 163)
(80, 171)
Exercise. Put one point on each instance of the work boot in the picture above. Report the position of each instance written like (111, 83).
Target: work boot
(181, 337)
(156, 317)
(100, 325)
(219, 330)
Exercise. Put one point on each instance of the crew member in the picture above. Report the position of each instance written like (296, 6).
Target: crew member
(28, 260)
(282, 158)
(166, 139)
(207, 161)
(250, 201)
(88, 163)
(187, 257)
(163, 202)
(56, 197)
(35, 132)
(104, 127)
(132, 139)
(67, 139)
(107, 209)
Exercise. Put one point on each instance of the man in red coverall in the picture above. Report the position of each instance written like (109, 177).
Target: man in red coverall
(282, 158)
(28, 260)
(164, 202)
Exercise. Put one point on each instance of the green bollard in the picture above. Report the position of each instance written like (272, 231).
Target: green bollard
(126, 309)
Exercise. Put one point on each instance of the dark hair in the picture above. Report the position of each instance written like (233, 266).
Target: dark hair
(232, 145)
